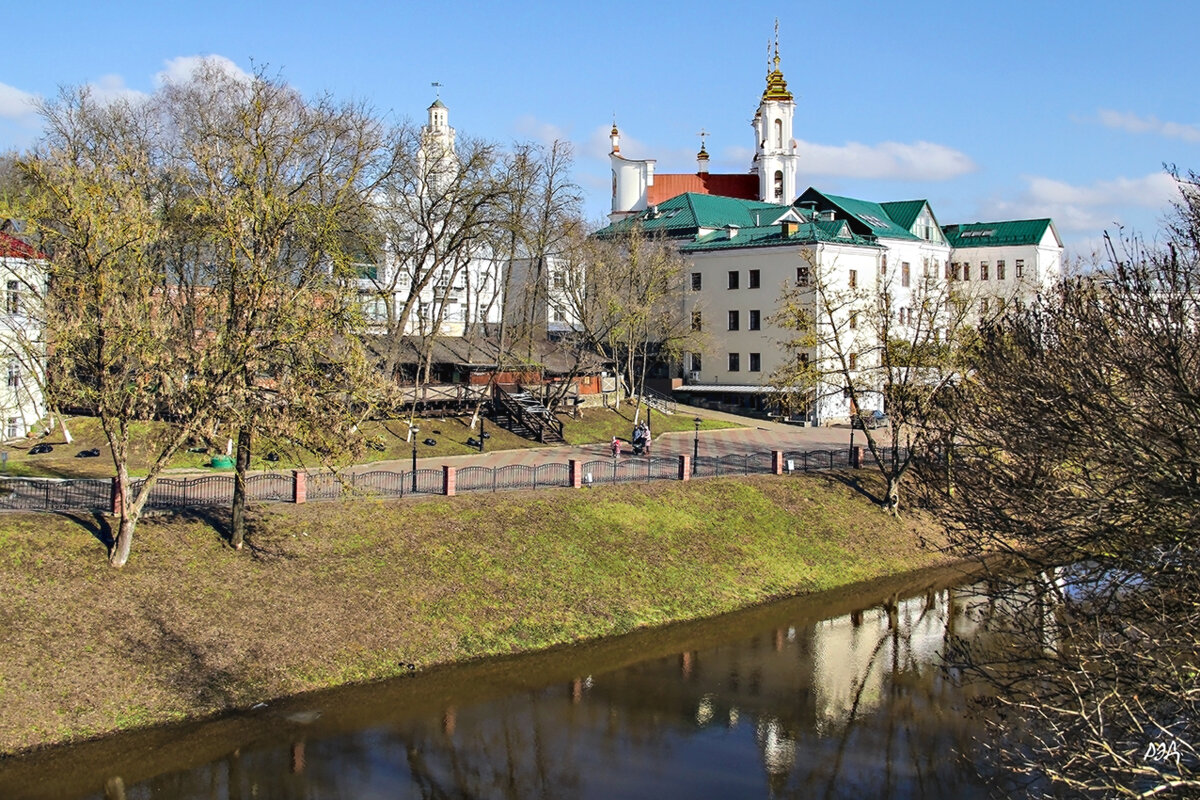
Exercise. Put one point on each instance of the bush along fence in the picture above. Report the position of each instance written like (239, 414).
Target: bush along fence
(298, 486)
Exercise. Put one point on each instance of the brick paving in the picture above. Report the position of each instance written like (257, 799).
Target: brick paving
(757, 436)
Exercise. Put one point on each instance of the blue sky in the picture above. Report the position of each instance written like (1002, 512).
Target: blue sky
(1015, 110)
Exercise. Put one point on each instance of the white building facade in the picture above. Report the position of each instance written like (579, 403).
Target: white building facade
(750, 238)
(22, 346)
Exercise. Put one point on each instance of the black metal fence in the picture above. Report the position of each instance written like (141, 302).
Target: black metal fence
(91, 494)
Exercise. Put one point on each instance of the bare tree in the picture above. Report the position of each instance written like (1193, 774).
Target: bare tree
(1076, 446)
(96, 191)
(625, 296)
(199, 267)
(864, 341)
(270, 190)
(434, 213)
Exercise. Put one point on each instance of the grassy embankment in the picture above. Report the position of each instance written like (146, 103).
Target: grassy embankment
(387, 439)
(330, 593)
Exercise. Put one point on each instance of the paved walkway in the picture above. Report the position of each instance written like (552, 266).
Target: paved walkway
(756, 437)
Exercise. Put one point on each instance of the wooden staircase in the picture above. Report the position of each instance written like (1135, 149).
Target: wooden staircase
(518, 411)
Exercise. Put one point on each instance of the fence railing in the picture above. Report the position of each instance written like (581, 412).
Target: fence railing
(92, 494)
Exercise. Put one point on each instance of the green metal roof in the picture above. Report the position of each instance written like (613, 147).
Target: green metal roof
(905, 212)
(688, 213)
(991, 234)
(869, 216)
(772, 236)
(708, 218)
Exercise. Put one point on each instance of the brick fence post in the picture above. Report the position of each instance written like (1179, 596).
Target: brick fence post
(856, 456)
(576, 476)
(776, 462)
(685, 467)
(115, 498)
(449, 480)
(299, 486)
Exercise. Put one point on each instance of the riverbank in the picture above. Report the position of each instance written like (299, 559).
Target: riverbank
(335, 593)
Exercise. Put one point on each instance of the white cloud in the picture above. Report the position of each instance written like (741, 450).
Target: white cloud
(110, 88)
(1092, 207)
(887, 160)
(16, 104)
(542, 132)
(1132, 123)
(182, 68)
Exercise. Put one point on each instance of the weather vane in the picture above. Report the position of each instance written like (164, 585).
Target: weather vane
(702, 134)
(437, 87)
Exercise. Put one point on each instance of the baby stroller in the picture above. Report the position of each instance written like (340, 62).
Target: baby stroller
(639, 445)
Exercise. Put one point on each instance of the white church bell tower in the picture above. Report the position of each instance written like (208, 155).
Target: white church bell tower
(775, 156)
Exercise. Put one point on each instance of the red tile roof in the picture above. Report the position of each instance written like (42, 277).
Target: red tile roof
(666, 186)
(12, 247)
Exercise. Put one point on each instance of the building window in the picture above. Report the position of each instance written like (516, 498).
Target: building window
(999, 305)
(903, 316)
(753, 282)
(802, 276)
(983, 270)
(955, 271)
(754, 322)
(733, 279)
(1000, 270)
(802, 360)
(13, 299)
(755, 362)
(696, 362)
(696, 282)
(966, 270)
(697, 324)
(853, 279)
(733, 320)
(983, 307)
(853, 361)
(778, 186)
(949, 271)
(12, 427)
(1020, 272)
(14, 376)
(883, 265)
(735, 362)
(905, 273)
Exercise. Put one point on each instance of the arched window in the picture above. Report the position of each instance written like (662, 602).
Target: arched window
(779, 133)
(779, 185)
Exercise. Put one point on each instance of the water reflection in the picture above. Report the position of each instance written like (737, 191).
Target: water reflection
(771, 705)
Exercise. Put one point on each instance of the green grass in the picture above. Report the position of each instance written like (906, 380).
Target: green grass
(192, 627)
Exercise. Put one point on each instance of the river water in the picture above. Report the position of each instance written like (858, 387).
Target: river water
(837, 695)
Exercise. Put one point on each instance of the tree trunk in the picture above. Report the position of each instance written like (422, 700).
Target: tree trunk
(891, 501)
(238, 533)
(119, 553)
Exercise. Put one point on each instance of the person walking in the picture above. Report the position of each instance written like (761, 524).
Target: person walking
(616, 447)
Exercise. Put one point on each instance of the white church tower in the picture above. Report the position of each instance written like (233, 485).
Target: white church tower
(439, 162)
(775, 156)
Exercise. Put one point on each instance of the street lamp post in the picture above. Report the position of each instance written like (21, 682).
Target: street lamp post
(695, 444)
(415, 431)
(481, 434)
(848, 395)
